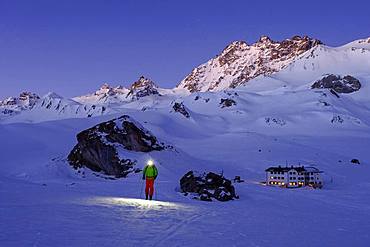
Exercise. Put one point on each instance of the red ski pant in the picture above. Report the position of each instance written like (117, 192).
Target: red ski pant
(149, 188)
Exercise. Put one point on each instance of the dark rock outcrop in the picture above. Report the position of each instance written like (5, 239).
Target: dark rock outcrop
(227, 102)
(97, 147)
(180, 108)
(346, 84)
(208, 186)
(355, 161)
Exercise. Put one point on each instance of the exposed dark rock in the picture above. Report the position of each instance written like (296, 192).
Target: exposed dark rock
(346, 84)
(207, 186)
(334, 93)
(274, 120)
(355, 161)
(337, 119)
(237, 179)
(227, 103)
(180, 108)
(7, 112)
(97, 147)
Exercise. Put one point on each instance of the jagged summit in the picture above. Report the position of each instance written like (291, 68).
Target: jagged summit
(107, 94)
(104, 95)
(240, 62)
(142, 88)
(52, 95)
(106, 89)
(25, 100)
(142, 83)
(265, 39)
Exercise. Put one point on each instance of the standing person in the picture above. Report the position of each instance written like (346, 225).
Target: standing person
(150, 173)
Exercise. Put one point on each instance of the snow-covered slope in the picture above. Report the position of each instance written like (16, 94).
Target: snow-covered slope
(273, 119)
(359, 44)
(268, 65)
(240, 62)
(351, 59)
(55, 107)
(46, 200)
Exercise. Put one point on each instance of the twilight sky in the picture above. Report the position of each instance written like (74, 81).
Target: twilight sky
(72, 47)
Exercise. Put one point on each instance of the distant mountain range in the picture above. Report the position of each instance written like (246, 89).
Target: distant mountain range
(263, 67)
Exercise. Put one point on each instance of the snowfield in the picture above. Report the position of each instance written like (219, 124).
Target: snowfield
(276, 120)
(45, 202)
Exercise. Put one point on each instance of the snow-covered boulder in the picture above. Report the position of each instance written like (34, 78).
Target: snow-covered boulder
(109, 146)
(346, 84)
(208, 186)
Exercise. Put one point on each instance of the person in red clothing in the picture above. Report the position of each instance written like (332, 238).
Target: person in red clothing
(150, 173)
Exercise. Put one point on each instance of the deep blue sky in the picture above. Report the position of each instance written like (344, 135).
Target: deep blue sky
(72, 47)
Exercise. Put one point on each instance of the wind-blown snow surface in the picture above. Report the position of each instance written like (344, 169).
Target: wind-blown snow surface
(46, 203)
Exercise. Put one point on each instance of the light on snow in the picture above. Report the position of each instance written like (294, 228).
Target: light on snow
(134, 202)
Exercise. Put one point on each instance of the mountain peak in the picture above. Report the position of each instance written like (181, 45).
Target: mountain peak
(143, 82)
(106, 89)
(24, 100)
(265, 39)
(239, 63)
(105, 86)
(52, 95)
(143, 87)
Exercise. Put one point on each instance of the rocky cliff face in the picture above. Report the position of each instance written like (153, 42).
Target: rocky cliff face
(240, 62)
(99, 148)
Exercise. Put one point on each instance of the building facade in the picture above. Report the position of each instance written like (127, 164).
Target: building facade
(293, 177)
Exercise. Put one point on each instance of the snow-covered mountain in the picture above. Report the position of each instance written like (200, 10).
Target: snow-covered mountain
(105, 95)
(265, 67)
(351, 59)
(14, 105)
(53, 107)
(108, 95)
(142, 88)
(240, 62)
